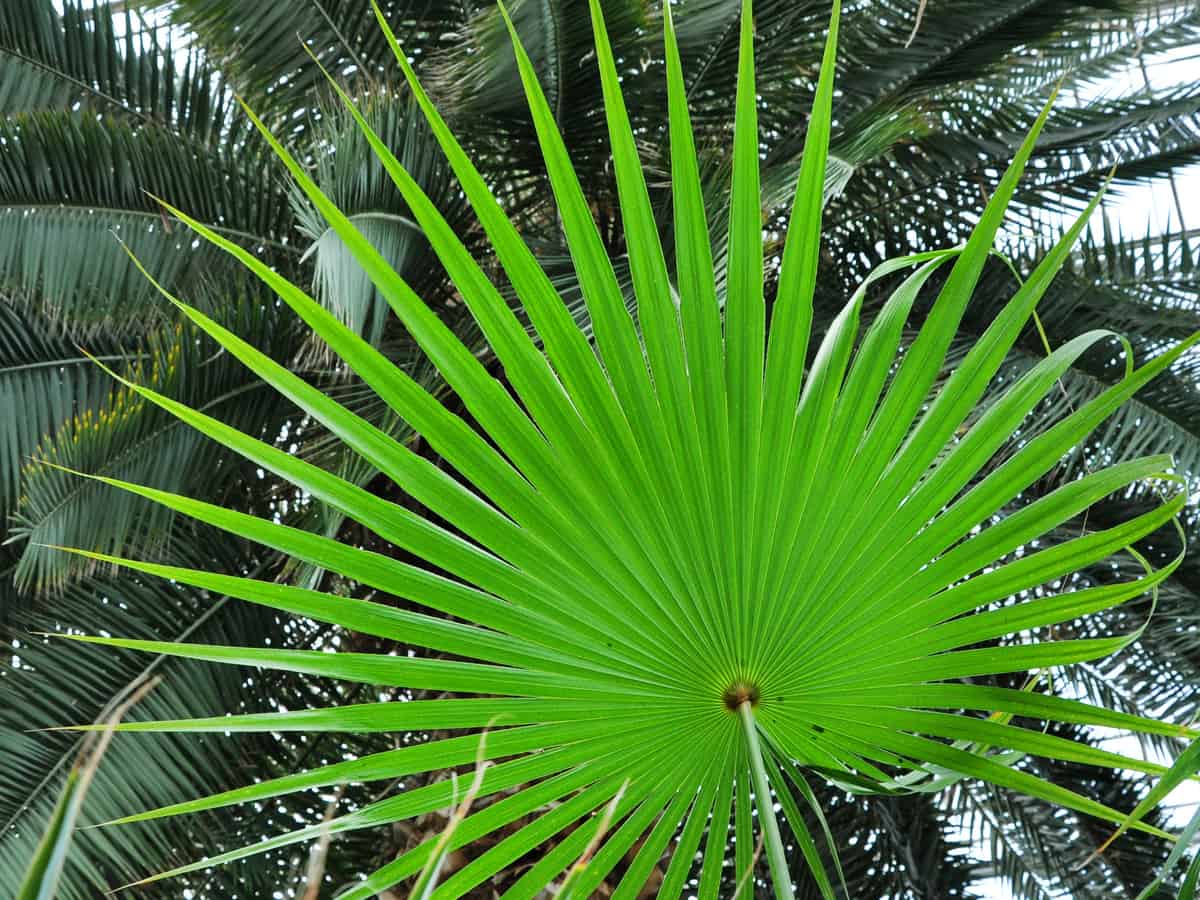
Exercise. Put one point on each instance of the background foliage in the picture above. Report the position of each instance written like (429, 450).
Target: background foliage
(103, 104)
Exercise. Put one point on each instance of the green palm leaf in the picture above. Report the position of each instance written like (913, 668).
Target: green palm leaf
(671, 573)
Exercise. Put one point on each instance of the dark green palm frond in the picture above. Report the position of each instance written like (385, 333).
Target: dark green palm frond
(72, 182)
(125, 435)
(901, 848)
(37, 690)
(955, 163)
(1093, 47)
(1140, 138)
(1161, 669)
(1157, 268)
(91, 59)
(102, 858)
(264, 49)
(44, 380)
(476, 81)
(965, 123)
(963, 42)
(1103, 130)
(71, 189)
(1043, 853)
(1161, 31)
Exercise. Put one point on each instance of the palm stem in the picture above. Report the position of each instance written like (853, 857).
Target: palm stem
(776, 856)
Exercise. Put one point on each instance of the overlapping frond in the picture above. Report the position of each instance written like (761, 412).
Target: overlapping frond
(128, 438)
(891, 846)
(264, 51)
(91, 59)
(1036, 847)
(100, 110)
(43, 380)
(71, 189)
(349, 173)
(45, 690)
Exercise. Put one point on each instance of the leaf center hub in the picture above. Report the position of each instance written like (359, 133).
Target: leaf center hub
(738, 693)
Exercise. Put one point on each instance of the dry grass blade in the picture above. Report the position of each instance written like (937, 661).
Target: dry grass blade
(428, 879)
(916, 24)
(320, 851)
(566, 890)
(749, 873)
(41, 879)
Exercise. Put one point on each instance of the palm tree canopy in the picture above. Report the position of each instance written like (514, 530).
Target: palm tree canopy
(681, 540)
(917, 174)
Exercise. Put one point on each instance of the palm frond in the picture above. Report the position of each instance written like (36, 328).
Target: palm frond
(1036, 848)
(91, 59)
(350, 175)
(40, 691)
(901, 847)
(43, 381)
(264, 52)
(698, 548)
(125, 437)
(72, 189)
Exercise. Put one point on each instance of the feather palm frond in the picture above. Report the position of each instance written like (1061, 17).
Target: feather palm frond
(88, 58)
(69, 184)
(124, 436)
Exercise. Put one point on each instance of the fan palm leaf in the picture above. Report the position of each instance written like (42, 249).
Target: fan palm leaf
(669, 573)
